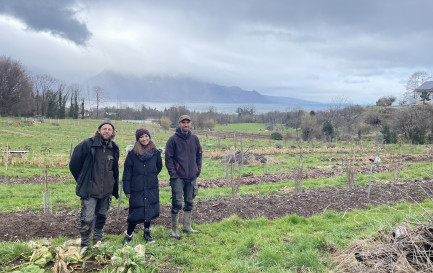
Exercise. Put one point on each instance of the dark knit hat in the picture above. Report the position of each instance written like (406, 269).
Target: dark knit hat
(141, 132)
(106, 122)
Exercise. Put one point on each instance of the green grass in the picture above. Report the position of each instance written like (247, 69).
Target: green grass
(255, 128)
(233, 245)
(258, 245)
(15, 197)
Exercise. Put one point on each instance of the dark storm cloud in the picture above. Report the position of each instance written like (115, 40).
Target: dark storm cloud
(53, 16)
(368, 32)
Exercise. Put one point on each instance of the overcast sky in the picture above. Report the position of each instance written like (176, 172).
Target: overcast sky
(320, 50)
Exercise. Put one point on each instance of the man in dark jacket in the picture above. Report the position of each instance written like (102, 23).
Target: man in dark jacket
(95, 167)
(183, 155)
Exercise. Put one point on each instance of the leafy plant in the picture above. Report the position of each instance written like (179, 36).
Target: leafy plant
(29, 269)
(129, 260)
(41, 256)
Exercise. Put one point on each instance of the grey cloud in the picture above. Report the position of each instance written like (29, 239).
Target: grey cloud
(53, 16)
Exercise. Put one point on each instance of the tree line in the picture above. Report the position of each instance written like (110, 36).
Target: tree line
(43, 95)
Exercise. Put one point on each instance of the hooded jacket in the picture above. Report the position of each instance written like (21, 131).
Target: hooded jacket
(81, 166)
(183, 155)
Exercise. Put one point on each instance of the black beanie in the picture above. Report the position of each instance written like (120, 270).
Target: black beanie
(141, 132)
(106, 122)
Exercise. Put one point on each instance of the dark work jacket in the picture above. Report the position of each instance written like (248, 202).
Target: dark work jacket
(81, 166)
(140, 179)
(183, 155)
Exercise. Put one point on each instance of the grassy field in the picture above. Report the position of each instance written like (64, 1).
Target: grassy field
(289, 244)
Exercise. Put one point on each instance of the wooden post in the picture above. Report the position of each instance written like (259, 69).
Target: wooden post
(7, 157)
(369, 181)
(70, 152)
(242, 155)
(120, 199)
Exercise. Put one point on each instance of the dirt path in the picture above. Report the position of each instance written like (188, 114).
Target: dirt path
(29, 224)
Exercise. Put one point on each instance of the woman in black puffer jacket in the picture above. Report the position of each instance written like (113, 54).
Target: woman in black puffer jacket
(140, 184)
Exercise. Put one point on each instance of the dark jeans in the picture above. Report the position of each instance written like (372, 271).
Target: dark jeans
(183, 187)
(93, 216)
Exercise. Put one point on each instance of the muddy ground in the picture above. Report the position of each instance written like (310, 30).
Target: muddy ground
(308, 173)
(25, 225)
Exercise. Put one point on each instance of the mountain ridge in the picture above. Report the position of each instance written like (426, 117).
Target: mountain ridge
(157, 88)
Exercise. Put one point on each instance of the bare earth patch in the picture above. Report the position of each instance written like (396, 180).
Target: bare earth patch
(25, 225)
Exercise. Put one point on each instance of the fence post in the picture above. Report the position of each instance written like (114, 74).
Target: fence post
(7, 157)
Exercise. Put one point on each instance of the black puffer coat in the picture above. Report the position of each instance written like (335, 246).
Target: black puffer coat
(140, 179)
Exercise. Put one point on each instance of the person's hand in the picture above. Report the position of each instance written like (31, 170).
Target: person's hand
(128, 195)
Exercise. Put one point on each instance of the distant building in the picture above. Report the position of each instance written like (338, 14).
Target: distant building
(425, 87)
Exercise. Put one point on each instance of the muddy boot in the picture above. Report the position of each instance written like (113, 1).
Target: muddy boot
(175, 226)
(128, 238)
(97, 236)
(187, 222)
(85, 232)
(146, 235)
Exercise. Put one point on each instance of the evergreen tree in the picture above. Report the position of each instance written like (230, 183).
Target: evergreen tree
(82, 109)
(328, 130)
(425, 96)
(388, 135)
(75, 107)
(61, 105)
(71, 109)
(52, 104)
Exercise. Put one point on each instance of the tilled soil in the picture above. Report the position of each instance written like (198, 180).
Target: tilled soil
(25, 225)
(309, 173)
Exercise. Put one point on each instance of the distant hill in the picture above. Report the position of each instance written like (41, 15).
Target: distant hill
(179, 90)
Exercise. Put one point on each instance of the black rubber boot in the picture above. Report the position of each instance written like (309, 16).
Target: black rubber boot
(128, 238)
(146, 235)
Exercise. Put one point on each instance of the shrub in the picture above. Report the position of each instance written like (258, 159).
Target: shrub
(276, 136)
(165, 123)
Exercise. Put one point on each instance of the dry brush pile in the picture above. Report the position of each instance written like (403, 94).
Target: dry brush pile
(408, 249)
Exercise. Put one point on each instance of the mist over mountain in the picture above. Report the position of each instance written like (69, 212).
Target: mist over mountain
(155, 88)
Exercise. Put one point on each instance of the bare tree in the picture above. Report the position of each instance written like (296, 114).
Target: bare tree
(413, 123)
(99, 92)
(414, 81)
(16, 97)
(174, 112)
(42, 84)
(334, 113)
(293, 118)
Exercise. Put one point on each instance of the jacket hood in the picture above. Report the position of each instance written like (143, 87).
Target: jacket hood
(182, 135)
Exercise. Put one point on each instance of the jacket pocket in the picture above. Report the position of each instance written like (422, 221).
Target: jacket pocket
(110, 160)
